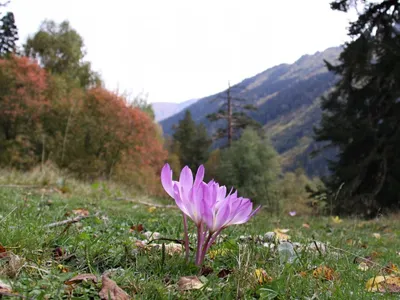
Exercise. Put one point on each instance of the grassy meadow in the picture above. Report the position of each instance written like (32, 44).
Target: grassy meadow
(136, 245)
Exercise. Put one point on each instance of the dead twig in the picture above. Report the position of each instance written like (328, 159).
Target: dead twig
(146, 203)
(21, 186)
(68, 221)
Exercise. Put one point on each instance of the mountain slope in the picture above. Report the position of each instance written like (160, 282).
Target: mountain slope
(164, 110)
(287, 100)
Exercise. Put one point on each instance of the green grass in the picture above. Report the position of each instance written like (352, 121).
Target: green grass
(104, 241)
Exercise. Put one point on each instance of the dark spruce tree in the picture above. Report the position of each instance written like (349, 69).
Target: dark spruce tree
(8, 33)
(361, 116)
(192, 142)
(233, 111)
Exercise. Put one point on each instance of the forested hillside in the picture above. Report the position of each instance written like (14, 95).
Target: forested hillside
(286, 98)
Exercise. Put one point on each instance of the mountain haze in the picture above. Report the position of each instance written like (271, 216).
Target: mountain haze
(287, 101)
(163, 110)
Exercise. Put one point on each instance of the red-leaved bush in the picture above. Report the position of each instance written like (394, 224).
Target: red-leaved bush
(94, 133)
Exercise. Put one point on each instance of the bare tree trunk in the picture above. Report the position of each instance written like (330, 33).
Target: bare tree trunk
(229, 115)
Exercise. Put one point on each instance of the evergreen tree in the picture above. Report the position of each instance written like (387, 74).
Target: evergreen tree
(8, 33)
(251, 165)
(361, 116)
(233, 111)
(192, 141)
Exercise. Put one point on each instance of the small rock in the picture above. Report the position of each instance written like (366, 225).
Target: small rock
(317, 246)
(269, 236)
(152, 235)
(269, 245)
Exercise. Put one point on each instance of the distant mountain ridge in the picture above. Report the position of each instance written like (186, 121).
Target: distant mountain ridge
(287, 101)
(164, 110)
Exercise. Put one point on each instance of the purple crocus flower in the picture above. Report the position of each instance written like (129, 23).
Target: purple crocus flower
(208, 205)
(224, 210)
(188, 195)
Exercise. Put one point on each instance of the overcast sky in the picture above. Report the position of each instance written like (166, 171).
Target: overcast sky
(178, 50)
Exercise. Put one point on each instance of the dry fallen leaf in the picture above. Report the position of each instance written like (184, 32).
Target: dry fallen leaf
(151, 209)
(81, 212)
(186, 283)
(390, 268)
(303, 274)
(4, 288)
(137, 228)
(376, 235)
(111, 291)
(336, 220)
(219, 252)
(224, 273)
(82, 277)
(325, 272)
(206, 270)
(383, 284)
(305, 225)
(281, 234)
(3, 252)
(262, 276)
(63, 268)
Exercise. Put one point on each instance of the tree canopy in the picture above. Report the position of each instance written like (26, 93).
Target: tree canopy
(361, 116)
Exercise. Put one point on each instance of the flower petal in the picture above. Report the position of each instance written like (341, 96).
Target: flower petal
(166, 180)
(199, 176)
(186, 179)
(178, 199)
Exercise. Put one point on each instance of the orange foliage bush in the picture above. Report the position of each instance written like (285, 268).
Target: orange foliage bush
(94, 133)
(22, 102)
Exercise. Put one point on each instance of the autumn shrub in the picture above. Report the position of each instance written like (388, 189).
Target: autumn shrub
(22, 104)
(93, 133)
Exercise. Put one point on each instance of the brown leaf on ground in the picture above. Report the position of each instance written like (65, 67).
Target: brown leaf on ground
(5, 288)
(81, 212)
(58, 253)
(186, 283)
(82, 277)
(206, 270)
(137, 228)
(302, 274)
(390, 268)
(384, 284)
(281, 234)
(262, 276)
(224, 273)
(3, 252)
(305, 225)
(111, 291)
(325, 272)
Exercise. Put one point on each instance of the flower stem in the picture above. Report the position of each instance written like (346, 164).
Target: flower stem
(203, 250)
(200, 240)
(210, 240)
(186, 237)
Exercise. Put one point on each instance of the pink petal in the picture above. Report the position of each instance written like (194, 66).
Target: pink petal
(243, 213)
(178, 199)
(166, 180)
(186, 179)
(222, 216)
(199, 176)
